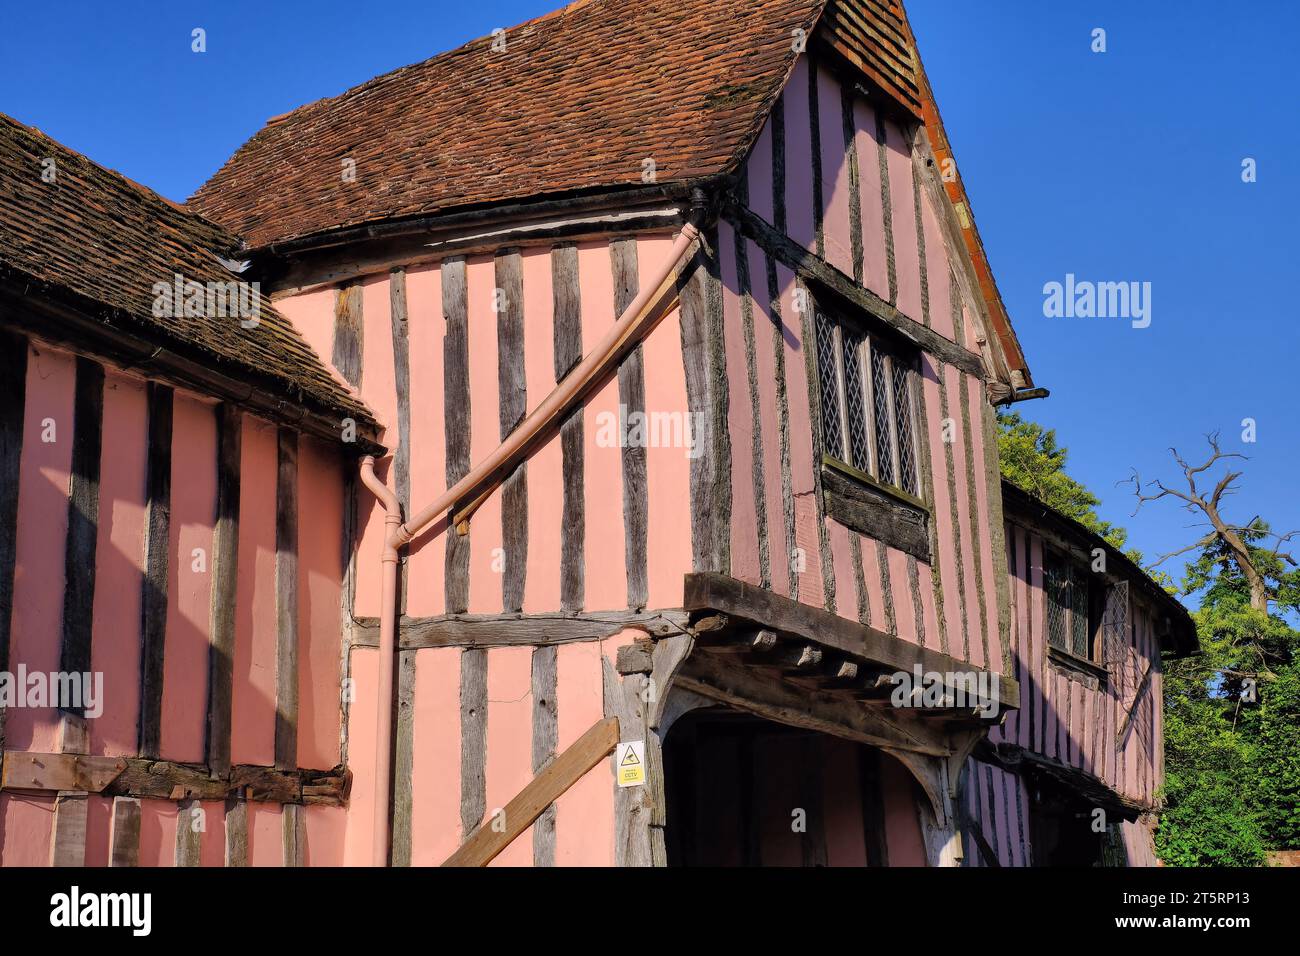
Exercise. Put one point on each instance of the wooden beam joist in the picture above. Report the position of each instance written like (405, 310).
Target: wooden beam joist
(165, 780)
(717, 593)
(515, 630)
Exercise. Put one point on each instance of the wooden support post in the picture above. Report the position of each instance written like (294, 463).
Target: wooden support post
(124, 832)
(487, 841)
(68, 847)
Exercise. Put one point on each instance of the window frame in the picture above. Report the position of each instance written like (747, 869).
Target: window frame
(838, 320)
(1092, 607)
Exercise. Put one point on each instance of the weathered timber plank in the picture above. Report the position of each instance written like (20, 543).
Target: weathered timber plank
(707, 591)
(512, 385)
(236, 833)
(546, 738)
(567, 308)
(124, 832)
(403, 759)
(875, 514)
(349, 334)
(402, 384)
(83, 520)
(631, 398)
(286, 601)
(190, 824)
(225, 574)
(153, 598)
(455, 307)
(567, 769)
(491, 630)
(473, 738)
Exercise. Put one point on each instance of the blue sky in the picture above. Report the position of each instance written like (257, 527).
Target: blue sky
(1115, 166)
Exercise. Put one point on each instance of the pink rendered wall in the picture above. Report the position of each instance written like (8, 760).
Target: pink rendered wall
(26, 819)
(252, 725)
(901, 799)
(1062, 718)
(115, 643)
(185, 655)
(959, 504)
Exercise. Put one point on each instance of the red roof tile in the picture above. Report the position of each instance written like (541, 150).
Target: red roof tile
(95, 234)
(576, 101)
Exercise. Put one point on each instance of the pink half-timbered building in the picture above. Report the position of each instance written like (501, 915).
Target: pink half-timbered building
(626, 377)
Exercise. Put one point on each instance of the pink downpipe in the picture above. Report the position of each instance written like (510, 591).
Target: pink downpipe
(387, 659)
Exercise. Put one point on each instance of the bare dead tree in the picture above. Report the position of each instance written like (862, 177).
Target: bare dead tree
(1209, 505)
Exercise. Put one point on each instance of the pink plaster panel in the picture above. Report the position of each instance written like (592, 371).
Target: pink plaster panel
(252, 724)
(379, 391)
(965, 547)
(930, 615)
(871, 573)
(758, 171)
(193, 507)
(937, 275)
(119, 562)
(99, 818)
(265, 834)
(26, 827)
(435, 767)
(976, 397)
(312, 314)
(325, 835)
(158, 820)
(901, 588)
(36, 624)
(846, 589)
(907, 258)
(798, 157)
(740, 423)
(320, 568)
(604, 551)
(668, 480)
(509, 740)
(426, 327)
(835, 173)
(875, 274)
(806, 538)
(584, 817)
(942, 507)
(362, 722)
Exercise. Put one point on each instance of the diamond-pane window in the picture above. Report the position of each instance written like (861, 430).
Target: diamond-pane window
(1069, 607)
(859, 434)
(903, 416)
(827, 370)
(866, 404)
(884, 433)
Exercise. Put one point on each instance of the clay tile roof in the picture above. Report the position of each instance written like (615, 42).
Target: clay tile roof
(577, 101)
(102, 241)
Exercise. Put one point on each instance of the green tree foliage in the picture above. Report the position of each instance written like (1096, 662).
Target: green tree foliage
(1232, 717)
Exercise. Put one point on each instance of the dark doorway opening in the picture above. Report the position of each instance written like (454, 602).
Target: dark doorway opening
(1061, 829)
(743, 791)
